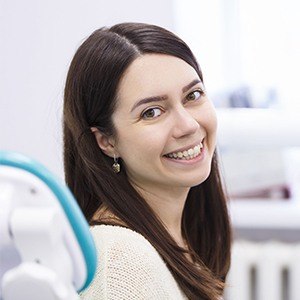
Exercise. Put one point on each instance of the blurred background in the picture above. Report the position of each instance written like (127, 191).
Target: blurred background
(249, 52)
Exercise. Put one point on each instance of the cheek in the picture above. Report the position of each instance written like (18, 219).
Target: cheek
(212, 129)
(207, 117)
(208, 120)
(213, 121)
(148, 141)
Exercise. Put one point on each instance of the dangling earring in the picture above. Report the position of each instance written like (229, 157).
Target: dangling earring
(116, 165)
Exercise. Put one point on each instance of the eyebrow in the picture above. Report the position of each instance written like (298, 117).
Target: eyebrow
(163, 97)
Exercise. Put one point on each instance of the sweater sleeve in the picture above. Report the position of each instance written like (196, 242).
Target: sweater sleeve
(129, 268)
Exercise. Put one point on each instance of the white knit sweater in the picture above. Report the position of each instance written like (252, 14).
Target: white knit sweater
(129, 267)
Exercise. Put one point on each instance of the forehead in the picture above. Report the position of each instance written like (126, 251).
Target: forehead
(154, 74)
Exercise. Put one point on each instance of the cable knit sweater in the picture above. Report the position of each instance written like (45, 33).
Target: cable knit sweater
(129, 267)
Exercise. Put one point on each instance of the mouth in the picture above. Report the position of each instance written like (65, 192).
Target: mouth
(188, 153)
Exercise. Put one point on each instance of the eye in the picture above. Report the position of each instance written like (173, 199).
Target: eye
(151, 113)
(195, 95)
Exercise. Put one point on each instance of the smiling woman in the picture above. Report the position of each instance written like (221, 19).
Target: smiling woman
(139, 152)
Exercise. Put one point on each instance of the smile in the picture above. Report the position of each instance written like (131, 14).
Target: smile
(186, 154)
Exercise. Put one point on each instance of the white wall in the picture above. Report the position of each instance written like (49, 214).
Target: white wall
(252, 43)
(38, 40)
(200, 24)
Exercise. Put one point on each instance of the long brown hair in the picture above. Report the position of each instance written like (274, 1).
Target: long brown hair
(89, 101)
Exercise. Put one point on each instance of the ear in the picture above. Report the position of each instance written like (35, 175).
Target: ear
(105, 143)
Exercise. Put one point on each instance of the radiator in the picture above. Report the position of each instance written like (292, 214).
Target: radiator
(264, 271)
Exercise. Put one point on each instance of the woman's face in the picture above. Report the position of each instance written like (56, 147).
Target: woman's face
(165, 124)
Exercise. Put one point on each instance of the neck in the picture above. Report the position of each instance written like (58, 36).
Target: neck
(168, 204)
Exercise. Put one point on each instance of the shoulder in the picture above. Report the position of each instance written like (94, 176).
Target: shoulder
(126, 250)
(114, 234)
(129, 266)
(117, 238)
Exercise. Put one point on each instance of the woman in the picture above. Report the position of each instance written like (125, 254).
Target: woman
(139, 155)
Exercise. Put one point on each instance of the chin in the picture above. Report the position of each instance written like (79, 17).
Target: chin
(196, 180)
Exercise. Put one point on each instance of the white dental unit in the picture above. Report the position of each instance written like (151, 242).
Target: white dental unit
(260, 130)
(46, 249)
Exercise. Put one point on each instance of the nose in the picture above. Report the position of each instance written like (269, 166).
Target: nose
(184, 123)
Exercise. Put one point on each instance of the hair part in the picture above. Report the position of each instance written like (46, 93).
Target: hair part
(89, 101)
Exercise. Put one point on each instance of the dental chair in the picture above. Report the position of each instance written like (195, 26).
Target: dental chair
(46, 249)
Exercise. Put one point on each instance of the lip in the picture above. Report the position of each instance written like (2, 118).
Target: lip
(186, 148)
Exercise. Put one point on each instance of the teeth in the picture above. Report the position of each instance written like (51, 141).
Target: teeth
(187, 154)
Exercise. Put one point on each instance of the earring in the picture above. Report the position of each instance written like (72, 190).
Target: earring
(116, 165)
